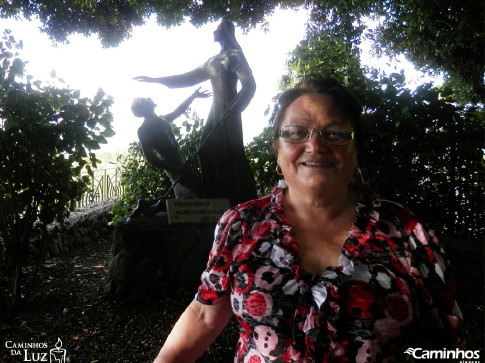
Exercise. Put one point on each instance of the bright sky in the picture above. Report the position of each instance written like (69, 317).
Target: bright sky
(155, 51)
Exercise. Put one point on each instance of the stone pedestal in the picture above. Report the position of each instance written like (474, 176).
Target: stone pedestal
(152, 259)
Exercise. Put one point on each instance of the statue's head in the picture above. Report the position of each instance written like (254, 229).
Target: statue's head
(142, 107)
(225, 29)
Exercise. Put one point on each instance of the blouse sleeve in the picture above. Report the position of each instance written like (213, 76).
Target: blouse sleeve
(440, 315)
(215, 280)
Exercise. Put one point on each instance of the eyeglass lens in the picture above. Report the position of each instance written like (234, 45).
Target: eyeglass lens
(335, 135)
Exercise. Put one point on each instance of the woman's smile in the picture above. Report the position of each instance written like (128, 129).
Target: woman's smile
(317, 164)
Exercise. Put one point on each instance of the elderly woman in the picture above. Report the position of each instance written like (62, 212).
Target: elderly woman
(321, 270)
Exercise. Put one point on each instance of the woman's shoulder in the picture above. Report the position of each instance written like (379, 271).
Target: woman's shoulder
(407, 221)
(406, 217)
(255, 206)
(252, 209)
(380, 209)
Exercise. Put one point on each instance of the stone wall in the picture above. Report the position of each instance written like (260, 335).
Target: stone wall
(152, 259)
(86, 225)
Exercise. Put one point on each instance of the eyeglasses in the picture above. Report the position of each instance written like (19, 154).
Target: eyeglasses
(334, 135)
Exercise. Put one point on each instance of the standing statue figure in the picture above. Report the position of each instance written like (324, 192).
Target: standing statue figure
(225, 169)
(161, 148)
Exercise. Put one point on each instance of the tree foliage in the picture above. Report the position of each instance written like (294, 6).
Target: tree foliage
(445, 36)
(263, 161)
(142, 180)
(440, 36)
(425, 150)
(139, 179)
(113, 20)
(47, 137)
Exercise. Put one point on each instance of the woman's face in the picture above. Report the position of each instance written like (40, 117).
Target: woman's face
(315, 165)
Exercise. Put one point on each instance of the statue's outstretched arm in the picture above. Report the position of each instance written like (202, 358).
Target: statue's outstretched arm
(188, 79)
(184, 105)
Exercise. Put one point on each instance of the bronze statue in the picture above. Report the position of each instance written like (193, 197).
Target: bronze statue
(225, 169)
(161, 148)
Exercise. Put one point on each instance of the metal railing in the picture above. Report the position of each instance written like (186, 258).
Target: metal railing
(105, 184)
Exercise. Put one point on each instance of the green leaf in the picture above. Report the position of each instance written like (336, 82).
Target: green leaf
(17, 68)
(108, 132)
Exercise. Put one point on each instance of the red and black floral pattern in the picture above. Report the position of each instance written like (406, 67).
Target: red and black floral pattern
(390, 290)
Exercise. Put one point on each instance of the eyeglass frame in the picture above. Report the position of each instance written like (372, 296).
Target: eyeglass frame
(312, 131)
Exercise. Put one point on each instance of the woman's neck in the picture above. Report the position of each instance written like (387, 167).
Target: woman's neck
(327, 205)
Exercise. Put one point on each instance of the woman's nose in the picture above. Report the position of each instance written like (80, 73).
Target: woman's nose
(316, 143)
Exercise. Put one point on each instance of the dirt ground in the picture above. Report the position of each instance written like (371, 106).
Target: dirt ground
(68, 303)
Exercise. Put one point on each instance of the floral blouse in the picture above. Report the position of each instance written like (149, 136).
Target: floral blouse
(389, 292)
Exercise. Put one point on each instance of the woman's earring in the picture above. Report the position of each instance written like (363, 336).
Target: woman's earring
(358, 175)
(278, 170)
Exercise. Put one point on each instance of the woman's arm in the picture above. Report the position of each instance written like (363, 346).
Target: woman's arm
(195, 330)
